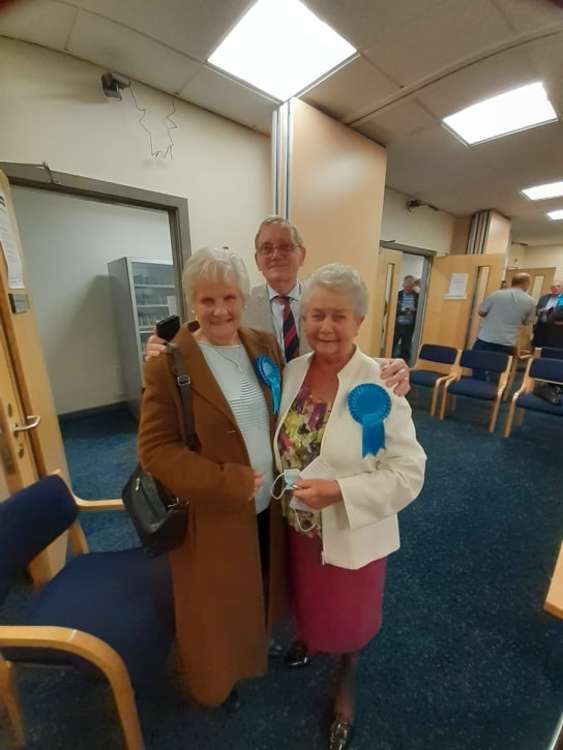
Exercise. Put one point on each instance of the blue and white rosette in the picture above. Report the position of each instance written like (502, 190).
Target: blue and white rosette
(370, 405)
(269, 373)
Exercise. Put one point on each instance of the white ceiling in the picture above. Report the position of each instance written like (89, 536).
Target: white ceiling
(420, 60)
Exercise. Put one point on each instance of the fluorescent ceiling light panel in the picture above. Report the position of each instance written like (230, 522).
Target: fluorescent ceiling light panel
(556, 215)
(542, 192)
(519, 109)
(280, 47)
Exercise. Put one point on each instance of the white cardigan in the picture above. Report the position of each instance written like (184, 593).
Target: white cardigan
(364, 527)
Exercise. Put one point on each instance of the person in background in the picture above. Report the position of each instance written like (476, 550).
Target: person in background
(545, 305)
(342, 512)
(275, 305)
(229, 574)
(407, 307)
(503, 313)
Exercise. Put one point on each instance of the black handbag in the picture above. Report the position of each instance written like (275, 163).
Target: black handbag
(160, 518)
(550, 392)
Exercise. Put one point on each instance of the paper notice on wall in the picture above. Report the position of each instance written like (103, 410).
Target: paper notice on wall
(10, 247)
(458, 286)
(172, 306)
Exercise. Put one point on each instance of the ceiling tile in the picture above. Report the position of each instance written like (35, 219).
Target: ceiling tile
(451, 32)
(360, 20)
(353, 87)
(119, 49)
(531, 15)
(479, 81)
(43, 22)
(194, 27)
(214, 91)
(396, 120)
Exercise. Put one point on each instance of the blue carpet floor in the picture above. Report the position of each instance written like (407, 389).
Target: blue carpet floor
(466, 659)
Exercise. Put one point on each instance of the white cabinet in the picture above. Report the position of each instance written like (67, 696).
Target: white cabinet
(143, 292)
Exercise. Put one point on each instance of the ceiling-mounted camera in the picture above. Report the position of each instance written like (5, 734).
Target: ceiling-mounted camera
(113, 84)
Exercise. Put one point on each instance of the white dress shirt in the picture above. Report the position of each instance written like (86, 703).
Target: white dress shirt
(277, 311)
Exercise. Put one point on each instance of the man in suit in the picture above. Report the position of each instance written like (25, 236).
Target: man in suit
(275, 305)
(407, 308)
(544, 307)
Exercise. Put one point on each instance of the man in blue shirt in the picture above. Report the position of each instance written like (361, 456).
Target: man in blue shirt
(407, 307)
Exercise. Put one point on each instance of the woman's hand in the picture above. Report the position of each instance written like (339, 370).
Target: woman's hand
(395, 374)
(258, 482)
(154, 346)
(318, 493)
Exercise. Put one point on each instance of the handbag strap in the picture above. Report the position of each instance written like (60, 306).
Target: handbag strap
(184, 383)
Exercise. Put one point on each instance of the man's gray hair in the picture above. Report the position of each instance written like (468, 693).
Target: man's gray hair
(338, 277)
(215, 264)
(280, 221)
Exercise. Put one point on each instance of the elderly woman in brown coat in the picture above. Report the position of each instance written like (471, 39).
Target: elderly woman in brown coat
(229, 574)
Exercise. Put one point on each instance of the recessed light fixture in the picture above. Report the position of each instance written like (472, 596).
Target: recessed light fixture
(519, 109)
(556, 215)
(280, 47)
(542, 192)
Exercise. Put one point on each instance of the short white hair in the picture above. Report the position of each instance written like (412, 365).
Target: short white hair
(281, 222)
(215, 264)
(338, 277)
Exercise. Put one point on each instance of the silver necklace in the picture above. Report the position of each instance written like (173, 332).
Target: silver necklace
(236, 363)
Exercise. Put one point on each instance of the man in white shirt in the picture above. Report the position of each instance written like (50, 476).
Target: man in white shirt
(275, 305)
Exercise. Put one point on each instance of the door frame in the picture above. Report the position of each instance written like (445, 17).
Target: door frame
(42, 177)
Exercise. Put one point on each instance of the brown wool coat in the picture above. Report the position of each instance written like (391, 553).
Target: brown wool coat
(221, 628)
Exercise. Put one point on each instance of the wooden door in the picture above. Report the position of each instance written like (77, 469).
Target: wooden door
(541, 281)
(25, 395)
(384, 301)
(451, 315)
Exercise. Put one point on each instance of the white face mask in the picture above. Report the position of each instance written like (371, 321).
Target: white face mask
(289, 477)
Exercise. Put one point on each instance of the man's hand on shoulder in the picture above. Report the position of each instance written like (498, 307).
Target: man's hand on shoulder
(396, 375)
(154, 346)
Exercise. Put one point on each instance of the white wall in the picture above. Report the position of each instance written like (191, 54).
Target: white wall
(517, 255)
(546, 257)
(53, 110)
(411, 265)
(68, 242)
(421, 227)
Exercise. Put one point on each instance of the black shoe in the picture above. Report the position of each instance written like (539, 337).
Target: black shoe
(297, 655)
(232, 703)
(340, 735)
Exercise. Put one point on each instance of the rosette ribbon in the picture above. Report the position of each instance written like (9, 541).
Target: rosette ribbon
(370, 405)
(269, 373)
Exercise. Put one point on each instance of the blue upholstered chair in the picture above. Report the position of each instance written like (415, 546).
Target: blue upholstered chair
(550, 352)
(422, 373)
(109, 612)
(539, 370)
(466, 385)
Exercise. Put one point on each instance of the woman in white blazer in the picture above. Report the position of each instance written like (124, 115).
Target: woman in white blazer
(353, 444)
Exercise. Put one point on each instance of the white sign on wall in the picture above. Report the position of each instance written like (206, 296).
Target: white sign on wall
(10, 247)
(458, 286)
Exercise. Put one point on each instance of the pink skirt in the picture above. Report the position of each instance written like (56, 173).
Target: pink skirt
(338, 611)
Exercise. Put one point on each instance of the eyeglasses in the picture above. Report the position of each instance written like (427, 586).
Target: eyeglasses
(268, 248)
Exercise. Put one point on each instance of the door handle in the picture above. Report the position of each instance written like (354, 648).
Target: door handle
(31, 422)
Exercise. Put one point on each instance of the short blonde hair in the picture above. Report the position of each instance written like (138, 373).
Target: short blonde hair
(280, 221)
(338, 277)
(215, 264)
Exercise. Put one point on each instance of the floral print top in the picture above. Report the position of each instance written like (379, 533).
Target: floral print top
(299, 443)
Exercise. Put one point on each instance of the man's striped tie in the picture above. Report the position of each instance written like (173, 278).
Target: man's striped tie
(290, 337)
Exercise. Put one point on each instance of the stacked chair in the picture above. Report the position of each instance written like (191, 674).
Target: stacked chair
(542, 369)
(424, 372)
(497, 364)
(107, 611)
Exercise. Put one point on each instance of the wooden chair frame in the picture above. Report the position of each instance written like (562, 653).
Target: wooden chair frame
(526, 387)
(76, 642)
(504, 377)
(440, 381)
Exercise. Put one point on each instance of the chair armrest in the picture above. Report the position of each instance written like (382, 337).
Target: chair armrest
(96, 506)
(554, 600)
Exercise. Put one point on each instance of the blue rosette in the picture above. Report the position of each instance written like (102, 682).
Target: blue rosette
(370, 405)
(269, 373)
